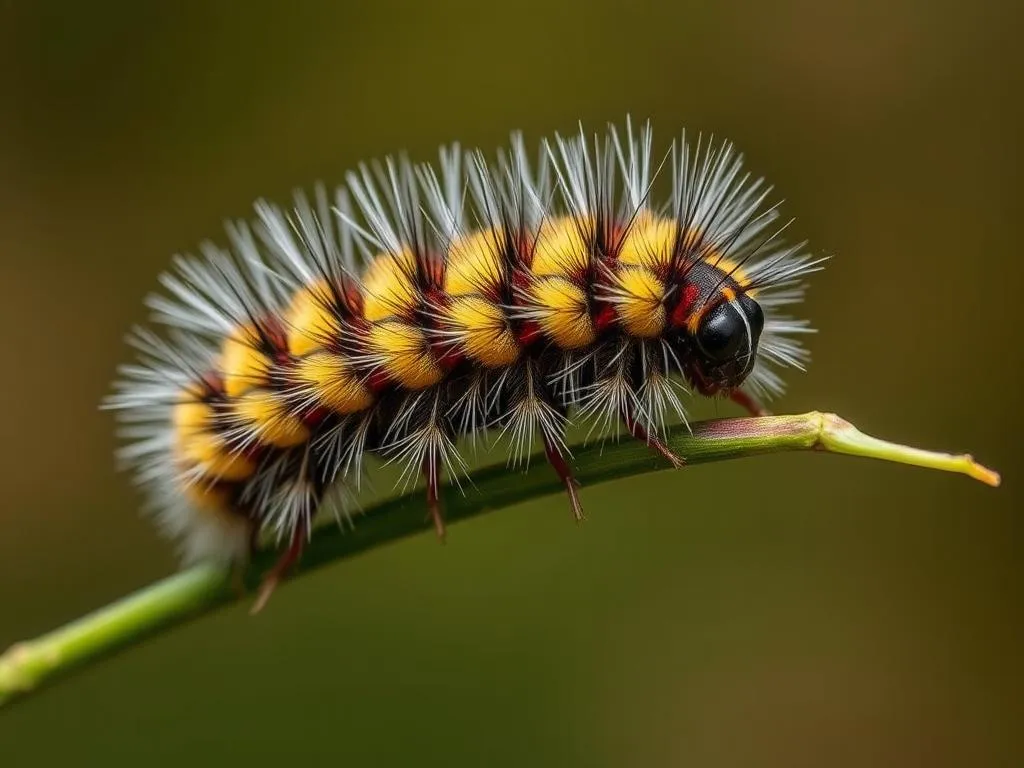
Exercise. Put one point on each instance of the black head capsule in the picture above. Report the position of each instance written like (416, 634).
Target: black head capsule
(720, 332)
(725, 344)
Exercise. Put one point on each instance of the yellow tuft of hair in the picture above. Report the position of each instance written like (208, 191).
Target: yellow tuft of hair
(639, 302)
(561, 310)
(404, 354)
(730, 268)
(330, 376)
(390, 287)
(198, 446)
(483, 331)
(648, 243)
(474, 263)
(270, 419)
(310, 320)
(243, 365)
(191, 416)
(206, 451)
(209, 498)
(561, 249)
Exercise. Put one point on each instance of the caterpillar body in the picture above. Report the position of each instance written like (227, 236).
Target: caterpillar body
(416, 305)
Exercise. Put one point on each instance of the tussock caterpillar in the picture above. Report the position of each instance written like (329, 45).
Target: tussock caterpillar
(418, 304)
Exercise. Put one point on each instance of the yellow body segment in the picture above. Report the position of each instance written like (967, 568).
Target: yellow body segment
(483, 331)
(243, 365)
(474, 263)
(270, 419)
(561, 249)
(561, 309)
(404, 354)
(336, 386)
(310, 322)
(389, 286)
(639, 302)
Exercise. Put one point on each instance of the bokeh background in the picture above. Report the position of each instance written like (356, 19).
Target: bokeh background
(789, 610)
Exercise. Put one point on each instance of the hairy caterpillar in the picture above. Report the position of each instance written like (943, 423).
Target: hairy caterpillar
(414, 306)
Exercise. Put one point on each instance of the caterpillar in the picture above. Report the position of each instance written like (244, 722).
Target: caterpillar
(416, 305)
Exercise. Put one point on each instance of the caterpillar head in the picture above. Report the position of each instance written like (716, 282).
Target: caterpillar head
(723, 345)
(718, 325)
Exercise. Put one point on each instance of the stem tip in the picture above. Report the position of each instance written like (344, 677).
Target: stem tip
(980, 472)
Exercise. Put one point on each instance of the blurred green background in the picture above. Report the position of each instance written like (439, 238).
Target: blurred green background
(783, 611)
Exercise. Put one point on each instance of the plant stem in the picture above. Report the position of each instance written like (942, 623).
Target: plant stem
(27, 665)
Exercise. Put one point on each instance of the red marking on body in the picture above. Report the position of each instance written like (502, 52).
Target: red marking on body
(529, 332)
(433, 270)
(616, 237)
(524, 249)
(275, 334)
(251, 451)
(605, 317)
(314, 416)
(681, 313)
(378, 381)
(213, 383)
(352, 296)
(521, 279)
(436, 297)
(447, 355)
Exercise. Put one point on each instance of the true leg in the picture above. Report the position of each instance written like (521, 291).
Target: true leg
(751, 404)
(281, 568)
(434, 496)
(562, 469)
(655, 443)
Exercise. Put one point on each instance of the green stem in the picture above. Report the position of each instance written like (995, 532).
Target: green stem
(27, 665)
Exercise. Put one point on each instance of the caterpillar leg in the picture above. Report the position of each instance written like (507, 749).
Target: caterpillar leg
(655, 443)
(747, 401)
(280, 570)
(434, 497)
(564, 472)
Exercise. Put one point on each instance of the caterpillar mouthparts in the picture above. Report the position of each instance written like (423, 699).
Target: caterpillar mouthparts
(414, 305)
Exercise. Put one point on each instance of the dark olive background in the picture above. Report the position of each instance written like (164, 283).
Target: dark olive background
(789, 610)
